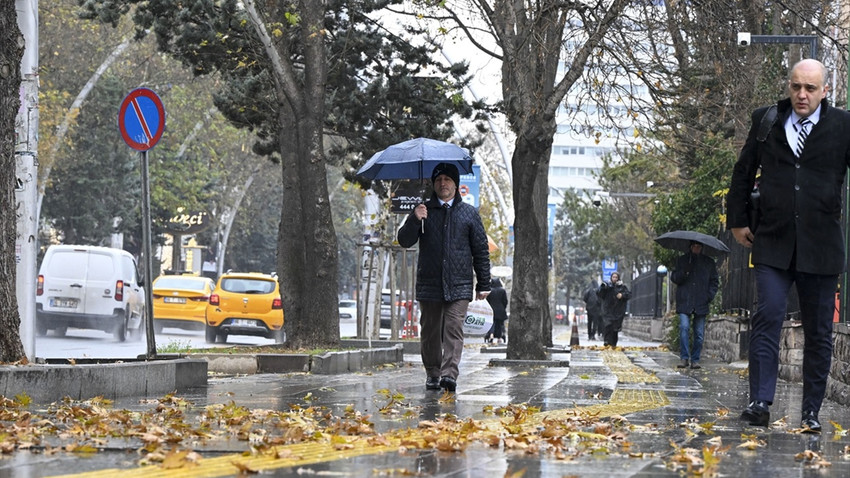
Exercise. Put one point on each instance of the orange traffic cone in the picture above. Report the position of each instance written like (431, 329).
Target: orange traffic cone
(574, 335)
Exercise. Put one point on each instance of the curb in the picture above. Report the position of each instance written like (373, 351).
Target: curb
(47, 383)
(326, 364)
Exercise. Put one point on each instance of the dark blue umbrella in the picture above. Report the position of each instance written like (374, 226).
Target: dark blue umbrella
(415, 159)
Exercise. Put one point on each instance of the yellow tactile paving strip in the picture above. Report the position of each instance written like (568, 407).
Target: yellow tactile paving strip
(622, 402)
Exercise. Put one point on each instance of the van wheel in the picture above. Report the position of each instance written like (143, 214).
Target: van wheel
(157, 327)
(138, 333)
(222, 337)
(120, 332)
(40, 328)
(210, 333)
(60, 331)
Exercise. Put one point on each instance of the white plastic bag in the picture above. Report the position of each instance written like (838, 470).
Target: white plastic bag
(479, 318)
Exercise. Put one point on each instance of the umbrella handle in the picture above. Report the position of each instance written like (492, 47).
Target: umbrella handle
(423, 225)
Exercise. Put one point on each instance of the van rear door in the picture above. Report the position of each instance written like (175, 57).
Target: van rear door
(65, 281)
(101, 275)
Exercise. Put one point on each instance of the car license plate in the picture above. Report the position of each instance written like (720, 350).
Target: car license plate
(243, 323)
(63, 303)
(174, 300)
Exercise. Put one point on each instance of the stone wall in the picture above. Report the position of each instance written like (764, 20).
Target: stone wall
(726, 339)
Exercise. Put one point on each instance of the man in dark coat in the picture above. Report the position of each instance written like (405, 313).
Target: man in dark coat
(594, 310)
(452, 244)
(696, 282)
(614, 296)
(799, 238)
(498, 300)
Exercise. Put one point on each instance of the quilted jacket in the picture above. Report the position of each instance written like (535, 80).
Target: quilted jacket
(453, 245)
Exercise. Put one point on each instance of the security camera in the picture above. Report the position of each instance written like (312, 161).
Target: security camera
(744, 38)
(596, 200)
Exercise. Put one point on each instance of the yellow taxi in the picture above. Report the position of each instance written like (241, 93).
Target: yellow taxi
(180, 301)
(245, 303)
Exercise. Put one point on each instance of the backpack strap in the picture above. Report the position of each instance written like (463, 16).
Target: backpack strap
(766, 124)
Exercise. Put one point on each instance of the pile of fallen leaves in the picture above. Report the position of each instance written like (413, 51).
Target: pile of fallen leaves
(170, 431)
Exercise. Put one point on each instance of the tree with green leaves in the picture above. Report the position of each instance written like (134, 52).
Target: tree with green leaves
(296, 74)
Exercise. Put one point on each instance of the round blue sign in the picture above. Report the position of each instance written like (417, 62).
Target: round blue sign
(141, 119)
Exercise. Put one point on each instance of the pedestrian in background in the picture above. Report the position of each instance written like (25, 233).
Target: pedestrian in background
(803, 154)
(498, 300)
(614, 296)
(594, 310)
(452, 244)
(696, 282)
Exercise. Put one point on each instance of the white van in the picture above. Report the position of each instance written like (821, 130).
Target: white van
(89, 287)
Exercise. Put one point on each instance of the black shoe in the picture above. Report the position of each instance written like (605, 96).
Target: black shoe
(810, 423)
(432, 383)
(683, 364)
(757, 414)
(448, 383)
(695, 365)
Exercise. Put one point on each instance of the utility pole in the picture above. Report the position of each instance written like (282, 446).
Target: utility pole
(26, 175)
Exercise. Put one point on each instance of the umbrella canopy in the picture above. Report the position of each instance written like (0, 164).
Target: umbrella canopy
(415, 159)
(681, 241)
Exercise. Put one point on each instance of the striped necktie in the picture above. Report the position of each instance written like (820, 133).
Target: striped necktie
(802, 128)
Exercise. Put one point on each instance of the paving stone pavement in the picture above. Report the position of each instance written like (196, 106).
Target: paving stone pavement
(667, 417)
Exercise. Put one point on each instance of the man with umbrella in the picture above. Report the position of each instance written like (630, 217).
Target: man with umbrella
(452, 244)
(696, 282)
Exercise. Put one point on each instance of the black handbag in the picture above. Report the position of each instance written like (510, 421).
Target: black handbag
(753, 211)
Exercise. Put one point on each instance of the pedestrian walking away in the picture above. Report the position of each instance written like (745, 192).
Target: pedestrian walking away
(452, 244)
(696, 282)
(498, 300)
(803, 151)
(594, 310)
(614, 296)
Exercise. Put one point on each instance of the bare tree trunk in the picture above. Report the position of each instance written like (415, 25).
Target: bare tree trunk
(530, 327)
(11, 52)
(307, 244)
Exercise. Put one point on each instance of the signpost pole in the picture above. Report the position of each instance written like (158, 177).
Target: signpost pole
(141, 121)
(146, 252)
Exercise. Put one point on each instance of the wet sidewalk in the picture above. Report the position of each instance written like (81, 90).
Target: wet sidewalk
(619, 413)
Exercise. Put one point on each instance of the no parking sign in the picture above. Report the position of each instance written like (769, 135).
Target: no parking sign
(141, 119)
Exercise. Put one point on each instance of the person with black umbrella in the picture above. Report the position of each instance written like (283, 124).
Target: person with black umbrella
(696, 282)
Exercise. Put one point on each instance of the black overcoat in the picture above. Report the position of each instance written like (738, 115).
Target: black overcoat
(696, 282)
(800, 200)
(453, 245)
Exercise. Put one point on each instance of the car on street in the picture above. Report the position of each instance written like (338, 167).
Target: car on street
(245, 303)
(89, 287)
(387, 310)
(347, 318)
(180, 301)
(347, 311)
